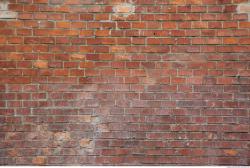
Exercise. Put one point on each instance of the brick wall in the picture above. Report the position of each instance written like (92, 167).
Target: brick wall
(124, 82)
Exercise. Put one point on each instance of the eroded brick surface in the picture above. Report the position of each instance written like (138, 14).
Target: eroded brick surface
(124, 82)
(244, 8)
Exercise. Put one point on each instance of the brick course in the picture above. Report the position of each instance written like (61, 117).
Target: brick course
(124, 82)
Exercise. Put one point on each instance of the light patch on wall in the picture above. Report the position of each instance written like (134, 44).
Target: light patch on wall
(4, 11)
(124, 9)
(84, 143)
(122, 57)
(244, 8)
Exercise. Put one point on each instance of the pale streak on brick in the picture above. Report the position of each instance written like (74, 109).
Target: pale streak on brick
(118, 49)
(244, 8)
(123, 57)
(4, 11)
(149, 79)
(77, 57)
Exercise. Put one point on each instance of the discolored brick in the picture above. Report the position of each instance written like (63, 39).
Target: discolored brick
(41, 64)
(39, 160)
(124, 82)
(84, 143)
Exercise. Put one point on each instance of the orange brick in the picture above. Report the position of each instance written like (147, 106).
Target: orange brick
(40, 64)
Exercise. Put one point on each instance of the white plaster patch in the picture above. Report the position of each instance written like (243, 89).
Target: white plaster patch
(124, 9)
(3, 5)
(4, 11)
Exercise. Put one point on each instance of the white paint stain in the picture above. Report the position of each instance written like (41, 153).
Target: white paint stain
(124, 9)
(244, 8)
(4, 11)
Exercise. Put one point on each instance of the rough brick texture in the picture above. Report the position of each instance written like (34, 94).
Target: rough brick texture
(124, 82)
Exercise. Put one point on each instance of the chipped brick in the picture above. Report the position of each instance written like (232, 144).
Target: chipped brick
(84, 143)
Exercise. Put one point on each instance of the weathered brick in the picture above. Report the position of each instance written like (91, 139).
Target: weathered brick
(84, 143)
(120, 82)
(39, 160)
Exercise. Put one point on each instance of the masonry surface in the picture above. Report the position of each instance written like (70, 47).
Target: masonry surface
(124, 82)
